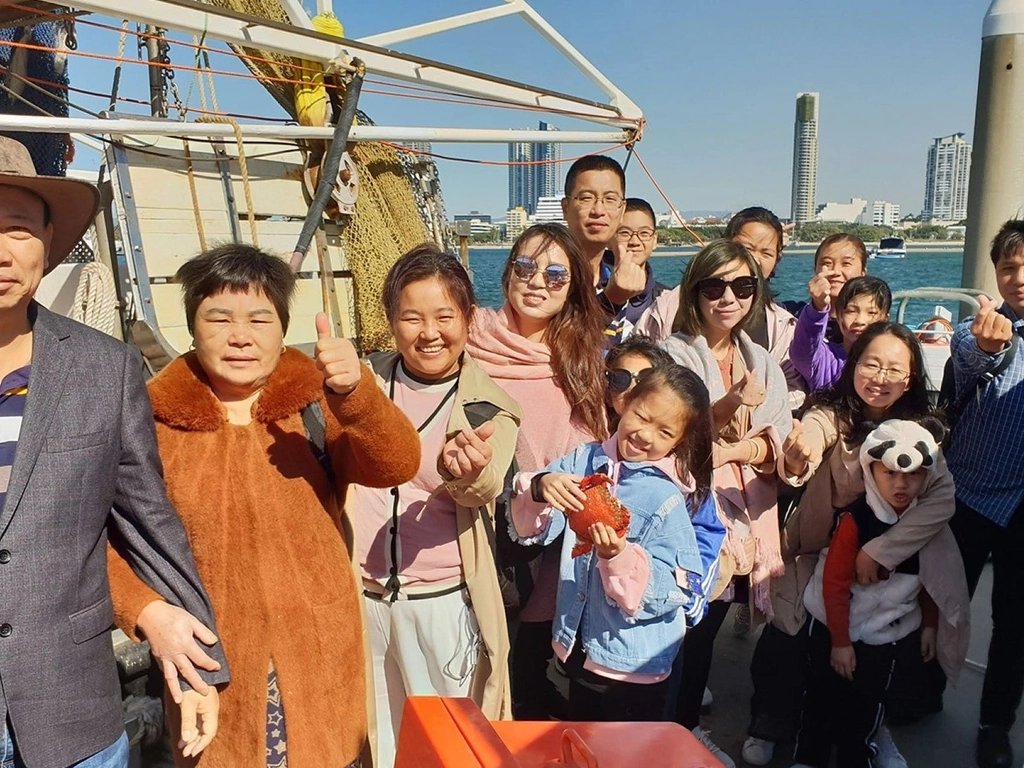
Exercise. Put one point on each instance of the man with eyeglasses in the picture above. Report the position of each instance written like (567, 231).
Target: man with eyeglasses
(593, 208)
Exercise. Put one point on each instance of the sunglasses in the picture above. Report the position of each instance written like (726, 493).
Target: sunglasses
(713, 288)
(619, 379)
(555, 275)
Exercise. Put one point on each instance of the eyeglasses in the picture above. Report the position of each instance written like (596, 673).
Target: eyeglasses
(619, 379)
(890, 375)
(645, 235)
(589, 199)
(555, 275)
(713, 288)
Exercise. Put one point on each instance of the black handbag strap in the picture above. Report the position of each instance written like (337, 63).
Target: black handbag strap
(316, 433)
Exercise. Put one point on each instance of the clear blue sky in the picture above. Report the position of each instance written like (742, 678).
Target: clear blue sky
(716, 79)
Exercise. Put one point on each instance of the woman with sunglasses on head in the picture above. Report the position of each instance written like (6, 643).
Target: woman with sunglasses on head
(884, 378)
(759, 231)
(544, 347)
(722, 289)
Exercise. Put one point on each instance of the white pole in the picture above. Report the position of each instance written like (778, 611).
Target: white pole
(996, 191)
(128, 127)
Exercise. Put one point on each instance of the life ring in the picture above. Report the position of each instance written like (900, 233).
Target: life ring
(936, 330)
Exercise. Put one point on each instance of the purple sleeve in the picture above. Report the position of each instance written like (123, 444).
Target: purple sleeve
(819, 361)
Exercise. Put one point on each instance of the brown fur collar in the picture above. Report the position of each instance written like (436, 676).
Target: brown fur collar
(182, 397)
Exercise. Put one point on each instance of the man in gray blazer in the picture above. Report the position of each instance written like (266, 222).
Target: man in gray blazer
(78, 458)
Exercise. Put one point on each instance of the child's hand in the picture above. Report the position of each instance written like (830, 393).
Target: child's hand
(562, 491)
(928, 643)
(606, 541)
(844, 661)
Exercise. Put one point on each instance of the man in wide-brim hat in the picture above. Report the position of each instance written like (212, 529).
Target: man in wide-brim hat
(78, 459)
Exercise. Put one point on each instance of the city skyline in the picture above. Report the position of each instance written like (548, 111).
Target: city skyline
(534, 171)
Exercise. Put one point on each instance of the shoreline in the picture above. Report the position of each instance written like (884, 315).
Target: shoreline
(668, 251)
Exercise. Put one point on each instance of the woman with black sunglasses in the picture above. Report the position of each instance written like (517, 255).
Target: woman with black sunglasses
(545, 348)
(722, 290)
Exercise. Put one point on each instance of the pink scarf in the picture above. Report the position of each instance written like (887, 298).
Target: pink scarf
(523, 369)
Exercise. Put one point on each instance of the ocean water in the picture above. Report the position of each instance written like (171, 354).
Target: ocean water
(921, 268)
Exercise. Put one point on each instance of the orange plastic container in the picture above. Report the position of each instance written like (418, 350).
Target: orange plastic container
(453, 733)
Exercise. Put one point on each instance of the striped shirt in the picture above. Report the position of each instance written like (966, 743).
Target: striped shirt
(987, 454)
(13, 391)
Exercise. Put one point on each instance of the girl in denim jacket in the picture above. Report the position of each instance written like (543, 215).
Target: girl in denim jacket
(621, 610)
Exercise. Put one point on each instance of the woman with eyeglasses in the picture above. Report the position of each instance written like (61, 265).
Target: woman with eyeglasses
(721, 291)
(884, 378)
(544, 347)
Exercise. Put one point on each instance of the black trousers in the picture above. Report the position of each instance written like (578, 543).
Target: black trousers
(698, 648)
(593, 698)
(778, 670)
(978, 537)
(843, 712)
(534, 696)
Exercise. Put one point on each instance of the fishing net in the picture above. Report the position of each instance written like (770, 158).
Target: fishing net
(399, 205)
(51, 152)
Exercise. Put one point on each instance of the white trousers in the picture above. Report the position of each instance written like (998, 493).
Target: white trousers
(424, 647)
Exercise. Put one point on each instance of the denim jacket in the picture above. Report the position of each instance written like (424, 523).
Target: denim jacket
(648, 641)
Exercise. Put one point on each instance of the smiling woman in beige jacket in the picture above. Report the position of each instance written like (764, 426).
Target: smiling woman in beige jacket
(434, 613)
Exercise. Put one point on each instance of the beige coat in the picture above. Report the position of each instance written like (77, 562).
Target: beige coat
(491, 687)
(834, 480)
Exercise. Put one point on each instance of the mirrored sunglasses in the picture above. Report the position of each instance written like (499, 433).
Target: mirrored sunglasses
(713, 288)
(555, 275)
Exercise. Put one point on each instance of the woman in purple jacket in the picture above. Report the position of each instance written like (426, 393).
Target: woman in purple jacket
(861, 302)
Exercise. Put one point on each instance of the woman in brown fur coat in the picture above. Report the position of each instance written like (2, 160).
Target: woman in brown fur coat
(262, 515)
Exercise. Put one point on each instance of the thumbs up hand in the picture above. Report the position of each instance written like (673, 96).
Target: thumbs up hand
(991, 328)
(466, 454)
(336, 359)
(797, 452)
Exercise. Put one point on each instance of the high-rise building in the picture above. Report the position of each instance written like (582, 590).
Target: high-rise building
(805, 158)
(516, 220)
(884, 214)
(549, 209)
(534, 171)
(945, 186)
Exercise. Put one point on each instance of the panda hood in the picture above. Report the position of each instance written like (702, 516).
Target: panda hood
(902, 446)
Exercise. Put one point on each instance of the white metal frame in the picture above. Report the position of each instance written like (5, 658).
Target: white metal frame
(620, 114)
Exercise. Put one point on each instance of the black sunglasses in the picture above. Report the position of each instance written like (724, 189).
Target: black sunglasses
(619, 379)
(713, 288)
(555, 275)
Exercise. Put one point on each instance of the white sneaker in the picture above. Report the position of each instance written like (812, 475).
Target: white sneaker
(758, 751)
(705, 738)
(888, 755)
(707, 701)
(741, 620)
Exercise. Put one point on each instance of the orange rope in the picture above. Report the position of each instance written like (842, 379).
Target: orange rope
(672, 208)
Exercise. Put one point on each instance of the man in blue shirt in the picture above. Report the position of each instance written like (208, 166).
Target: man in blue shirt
(987, 462)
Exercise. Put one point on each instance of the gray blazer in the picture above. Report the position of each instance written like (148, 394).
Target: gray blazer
(86, 460)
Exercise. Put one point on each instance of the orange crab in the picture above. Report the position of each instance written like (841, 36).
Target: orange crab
(600, 507)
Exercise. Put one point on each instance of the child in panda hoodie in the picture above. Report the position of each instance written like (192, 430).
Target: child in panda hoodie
(854, 630)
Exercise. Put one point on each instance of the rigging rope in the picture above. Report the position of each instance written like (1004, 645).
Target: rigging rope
(243, 166)
(95, 302)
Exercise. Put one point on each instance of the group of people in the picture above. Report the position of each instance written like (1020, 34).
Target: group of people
(447, 518)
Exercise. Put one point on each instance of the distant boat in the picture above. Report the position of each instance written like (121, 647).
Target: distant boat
(890, 248)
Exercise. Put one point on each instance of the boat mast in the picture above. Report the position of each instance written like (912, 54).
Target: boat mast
(996, 191)
(157, 84)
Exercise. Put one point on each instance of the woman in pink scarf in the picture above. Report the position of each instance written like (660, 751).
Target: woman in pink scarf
(544, 347)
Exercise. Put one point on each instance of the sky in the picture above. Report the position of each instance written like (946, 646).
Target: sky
(716, 80)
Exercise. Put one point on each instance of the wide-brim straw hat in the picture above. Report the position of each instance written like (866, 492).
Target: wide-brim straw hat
(73, 203)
